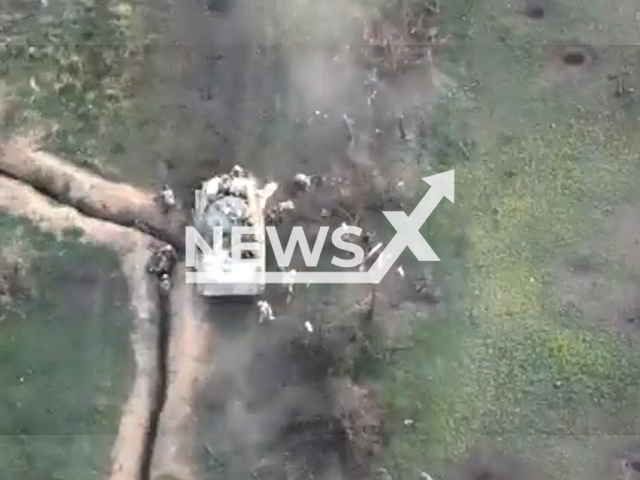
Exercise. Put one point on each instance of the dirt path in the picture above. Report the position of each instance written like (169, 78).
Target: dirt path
(88, 193)
(20, 200)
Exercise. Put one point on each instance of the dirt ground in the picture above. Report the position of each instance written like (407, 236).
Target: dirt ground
(225, 366)
(600, 283)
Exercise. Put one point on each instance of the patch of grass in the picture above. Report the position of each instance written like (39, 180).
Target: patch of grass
(444, 138)
(15, 263)
(501, 364)
(71, 67)
(66, 364)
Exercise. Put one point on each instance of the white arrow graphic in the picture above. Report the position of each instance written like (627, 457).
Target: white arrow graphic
(408, 228)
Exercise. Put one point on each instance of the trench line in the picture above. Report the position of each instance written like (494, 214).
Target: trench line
(87, 210)
(160, 396)
(162, 342)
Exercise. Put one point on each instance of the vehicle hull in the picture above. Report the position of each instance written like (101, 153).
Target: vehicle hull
(226, 277)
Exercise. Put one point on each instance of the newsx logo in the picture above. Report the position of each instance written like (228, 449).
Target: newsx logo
(407, 236)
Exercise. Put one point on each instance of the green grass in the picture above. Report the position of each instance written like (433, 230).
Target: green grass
(544, 164)
(65, 362)
(71, 67)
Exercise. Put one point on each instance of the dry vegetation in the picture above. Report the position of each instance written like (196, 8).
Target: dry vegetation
(362, 420)
(395, 41)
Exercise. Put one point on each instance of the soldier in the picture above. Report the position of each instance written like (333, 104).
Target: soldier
(274, 215)
(168, 259)
(270, 216)
(152, 265)
(401, 130)
(367, 237)
(290, 282)
(162, 261)
(317, 181)
(265, 312)
(225, 185)
(167, 199)
(371, 86)
(302, 182)
(165, 283)
(350, 126)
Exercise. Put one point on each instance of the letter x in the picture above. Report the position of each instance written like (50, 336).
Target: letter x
(408, 235)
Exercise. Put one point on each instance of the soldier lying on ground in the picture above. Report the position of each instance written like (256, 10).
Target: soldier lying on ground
(162, 261)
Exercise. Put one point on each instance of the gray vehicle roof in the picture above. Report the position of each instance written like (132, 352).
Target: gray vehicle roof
(225, 212)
